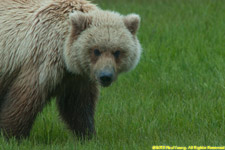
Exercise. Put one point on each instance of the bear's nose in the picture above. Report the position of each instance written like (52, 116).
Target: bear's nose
(106, 78)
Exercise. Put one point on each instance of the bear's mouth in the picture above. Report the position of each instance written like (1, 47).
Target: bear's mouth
(105, 84)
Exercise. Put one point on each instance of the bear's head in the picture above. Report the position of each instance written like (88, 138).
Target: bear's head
(102, 44)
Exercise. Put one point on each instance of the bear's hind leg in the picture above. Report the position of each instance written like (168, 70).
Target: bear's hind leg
(21, 104)
(6, 81)
(76, 103)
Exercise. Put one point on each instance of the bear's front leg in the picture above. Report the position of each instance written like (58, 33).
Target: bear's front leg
(20, 106)
(76, 103)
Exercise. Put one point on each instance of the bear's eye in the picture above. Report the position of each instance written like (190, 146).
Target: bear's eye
(116, 54)
(97, 52)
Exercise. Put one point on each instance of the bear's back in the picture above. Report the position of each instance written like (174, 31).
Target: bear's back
(33, 31)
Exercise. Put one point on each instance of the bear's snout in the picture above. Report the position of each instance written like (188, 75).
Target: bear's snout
(106, 76)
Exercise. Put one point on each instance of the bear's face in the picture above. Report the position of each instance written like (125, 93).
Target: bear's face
(102, 44)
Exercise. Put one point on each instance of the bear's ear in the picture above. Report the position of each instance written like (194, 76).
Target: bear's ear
(132, 22)
(79, 21)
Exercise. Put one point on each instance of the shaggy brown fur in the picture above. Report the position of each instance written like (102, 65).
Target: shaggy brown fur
(62, 48)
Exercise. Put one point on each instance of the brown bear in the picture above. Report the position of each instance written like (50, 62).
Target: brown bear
(63, 49)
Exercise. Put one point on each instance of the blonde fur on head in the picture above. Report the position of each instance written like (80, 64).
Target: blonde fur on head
(104, 29)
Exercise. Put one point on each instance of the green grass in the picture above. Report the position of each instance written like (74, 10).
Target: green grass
(176, 95)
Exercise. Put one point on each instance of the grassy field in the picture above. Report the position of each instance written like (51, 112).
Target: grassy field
(176, 95)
